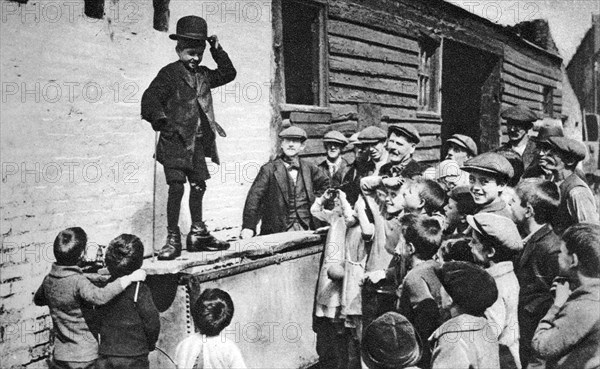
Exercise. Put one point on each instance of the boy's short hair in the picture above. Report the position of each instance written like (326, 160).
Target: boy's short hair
(432, 194)
(464, 200)
(542, 195)
(125, 254)
(424, 233)
(456, 248)
(583, 239)
(69, 245)
(212, 311)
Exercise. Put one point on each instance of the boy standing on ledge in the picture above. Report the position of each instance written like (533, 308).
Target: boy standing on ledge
(178, 103)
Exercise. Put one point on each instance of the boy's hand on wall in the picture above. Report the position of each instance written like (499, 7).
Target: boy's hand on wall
(213, 41)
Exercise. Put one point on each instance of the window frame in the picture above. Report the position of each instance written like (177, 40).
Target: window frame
(432, 70)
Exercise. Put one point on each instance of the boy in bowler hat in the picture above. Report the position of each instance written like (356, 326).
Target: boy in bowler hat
(335, 166)
(284, 190)
(178, 104)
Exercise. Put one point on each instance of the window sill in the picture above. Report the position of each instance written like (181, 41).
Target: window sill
(304, 108)
(429, 115)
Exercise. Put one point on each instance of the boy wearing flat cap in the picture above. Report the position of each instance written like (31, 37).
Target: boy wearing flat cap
(495, 244)
(488, 175)
(560, 156)
(178, 104)
(335, 166)
(467, 340)
(284, 190)
(519, 120)
(402, 140)
(461, 148)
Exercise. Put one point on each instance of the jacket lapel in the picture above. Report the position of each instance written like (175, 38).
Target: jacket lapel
(282, 178)
(531, 244)
(307, 178)
(186, 76)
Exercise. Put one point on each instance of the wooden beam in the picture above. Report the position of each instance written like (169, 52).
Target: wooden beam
(515, 100)
(338, 63)
(349, 30)
(528, 76)
(385, 85)
(344, 46)
(368, 115)
(518, 82)
(348, 94)
(530, 64)
(318, 130)
(523, 94)
(306, 117)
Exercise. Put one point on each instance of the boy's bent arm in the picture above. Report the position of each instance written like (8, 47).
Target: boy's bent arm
(98, 295)
(154, 100)
(256, 194)
(40, 296)
(149, 314)
(225, 71)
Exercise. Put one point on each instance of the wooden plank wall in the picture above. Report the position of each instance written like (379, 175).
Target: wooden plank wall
(523, 81)
(372, 62)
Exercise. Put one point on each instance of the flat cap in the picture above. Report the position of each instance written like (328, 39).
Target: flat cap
(548, 130)
(390, 341)
(407, 130)
(491, 163)
(371, 134)
(519, 113)
(470, 286)
(293, 132)
(569, 146)
(335, 137)
(353, 140)
(498, 228)
(465, 142)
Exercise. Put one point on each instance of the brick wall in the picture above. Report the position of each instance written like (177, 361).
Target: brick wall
(76, 153)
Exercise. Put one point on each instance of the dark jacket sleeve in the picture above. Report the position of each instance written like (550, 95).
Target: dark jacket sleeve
(155, 97)
(40, 296)
(256, 195)
(225, 71)
(320, 181)
(149, 314)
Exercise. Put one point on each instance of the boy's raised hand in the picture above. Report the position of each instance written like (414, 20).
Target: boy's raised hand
(213, 40)
(137, 276)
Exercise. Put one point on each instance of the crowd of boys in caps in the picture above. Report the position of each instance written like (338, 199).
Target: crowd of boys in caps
(484, 260)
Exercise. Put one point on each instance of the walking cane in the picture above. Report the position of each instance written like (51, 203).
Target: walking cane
(154, 200)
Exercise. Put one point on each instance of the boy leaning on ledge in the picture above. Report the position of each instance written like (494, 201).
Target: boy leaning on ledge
(64, 290)
(178, 104)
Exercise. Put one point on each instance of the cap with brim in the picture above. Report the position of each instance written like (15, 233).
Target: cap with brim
(407, 130)
(500, 229)
(390, 341)
(335, 137)
(465, 142)
(490, 163)
(371, 135)
(353, 140)
(519, 114)
(293, 133)
(568, 146)
(547, 130)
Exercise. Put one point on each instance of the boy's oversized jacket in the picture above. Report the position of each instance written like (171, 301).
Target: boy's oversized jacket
(175, 96)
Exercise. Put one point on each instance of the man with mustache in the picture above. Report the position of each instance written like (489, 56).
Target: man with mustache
(560, 156)
(402, 140)
(519, 120)
(178, 104)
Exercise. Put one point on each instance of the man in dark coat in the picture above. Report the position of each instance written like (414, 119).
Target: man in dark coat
(519, 120)
(402, 140)
(178, 103)
(335, 166)
(284, 190)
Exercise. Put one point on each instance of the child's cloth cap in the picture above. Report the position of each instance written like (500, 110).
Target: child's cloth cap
(371, 134)
(335, 137)
(470, 286)
(390, 341)
(498, 228)
(294, 133)
(407, 130)
(491, 163)
(465, 142)
(447, 168)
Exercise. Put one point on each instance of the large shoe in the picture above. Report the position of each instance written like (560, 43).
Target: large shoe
(199, 239)
(172, 249)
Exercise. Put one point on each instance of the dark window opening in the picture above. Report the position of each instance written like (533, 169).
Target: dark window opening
(427, 98)
(302, 34)
(548, 101)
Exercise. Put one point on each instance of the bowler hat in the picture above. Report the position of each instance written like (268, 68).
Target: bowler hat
(190, 28)
(491, 163)
(519, 114)
(465, 142)
(335, 137)
(498, 228)
(293, 132)
(371, 134)
(470, 286)
(573, 148)
(407, 130)
(390, 341)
